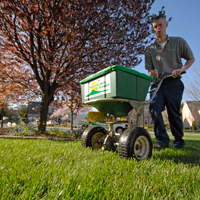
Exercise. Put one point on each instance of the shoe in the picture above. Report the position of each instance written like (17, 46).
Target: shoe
(178, 147)
(161, 146)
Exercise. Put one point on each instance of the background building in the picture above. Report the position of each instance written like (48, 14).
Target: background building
(191, 114)
(33, 112)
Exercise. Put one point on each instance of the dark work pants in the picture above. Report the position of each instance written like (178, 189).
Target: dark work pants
(169, 95)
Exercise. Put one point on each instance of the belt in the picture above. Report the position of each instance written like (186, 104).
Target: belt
(171, 78)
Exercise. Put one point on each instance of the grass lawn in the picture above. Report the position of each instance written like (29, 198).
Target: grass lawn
(44, 169)
(184, 131)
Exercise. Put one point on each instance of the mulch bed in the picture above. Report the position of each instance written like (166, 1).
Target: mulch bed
(4, 134)
(3, 131)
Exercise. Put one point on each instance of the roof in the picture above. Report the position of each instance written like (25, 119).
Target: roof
(194, 107)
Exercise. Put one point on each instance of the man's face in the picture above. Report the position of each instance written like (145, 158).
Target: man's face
(159, 27)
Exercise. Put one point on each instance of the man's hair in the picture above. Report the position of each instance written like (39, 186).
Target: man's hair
(160, 16)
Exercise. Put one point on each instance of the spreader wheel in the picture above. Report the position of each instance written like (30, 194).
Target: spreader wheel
(93, 137)
(84, 126)
(135, 142)
(119, 129)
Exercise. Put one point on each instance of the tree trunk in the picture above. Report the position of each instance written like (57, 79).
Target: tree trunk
(1, 117)
(43, 114)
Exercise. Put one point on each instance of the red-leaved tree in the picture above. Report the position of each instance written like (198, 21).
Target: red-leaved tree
(67, 107)
(71, 103)
(48, 46)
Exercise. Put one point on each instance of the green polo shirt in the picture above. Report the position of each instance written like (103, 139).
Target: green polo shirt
(169, 58)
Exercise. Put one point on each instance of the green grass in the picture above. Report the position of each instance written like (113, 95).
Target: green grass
(44, 169)
(184, 131)
(191, 131)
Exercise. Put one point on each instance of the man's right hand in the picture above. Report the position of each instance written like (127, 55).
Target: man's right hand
(153, 72)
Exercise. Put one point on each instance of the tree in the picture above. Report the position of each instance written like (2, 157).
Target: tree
(48, 46)
(71, 106)
(1, 116)
(64, 110)
(14, 84)
(3, 107)
(193, 85)
(22, 113)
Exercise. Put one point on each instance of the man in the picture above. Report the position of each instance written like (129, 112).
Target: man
(163, 57)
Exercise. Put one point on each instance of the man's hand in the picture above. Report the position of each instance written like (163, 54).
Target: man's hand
(176, 73)
(153, 73)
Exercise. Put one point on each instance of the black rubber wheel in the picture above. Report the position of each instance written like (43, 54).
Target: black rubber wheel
(119, 129)
(83, 127)
(93, 137)
(135, 142)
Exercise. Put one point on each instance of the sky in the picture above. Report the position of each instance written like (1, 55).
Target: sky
(186, 24)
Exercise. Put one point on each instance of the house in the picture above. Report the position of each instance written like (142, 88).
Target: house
(191, 114)
(145, 118)
(33, 111)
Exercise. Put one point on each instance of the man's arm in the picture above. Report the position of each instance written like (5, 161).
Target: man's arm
(187, 65)
(153, 72)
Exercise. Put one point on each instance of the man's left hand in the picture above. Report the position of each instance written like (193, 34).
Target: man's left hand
(176, 73)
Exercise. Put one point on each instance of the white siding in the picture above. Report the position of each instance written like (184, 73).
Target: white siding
(187, 116)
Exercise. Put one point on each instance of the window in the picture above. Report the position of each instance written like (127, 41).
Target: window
(145, 121)
(146, 112)
(131, 121)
